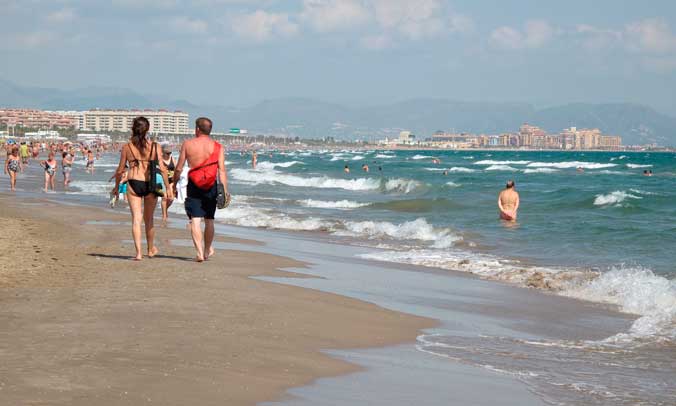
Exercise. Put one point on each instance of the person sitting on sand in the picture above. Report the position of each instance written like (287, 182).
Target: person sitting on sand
(508, 202)
(139, 152)
(50, 171)
(13, 165)
(207, 169)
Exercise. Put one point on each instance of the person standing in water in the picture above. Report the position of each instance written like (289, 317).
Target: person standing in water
(139, 153)
(508, 202)
(207, 168)
(254, 159)
(66, 167)
(12, 166)
(50, 171)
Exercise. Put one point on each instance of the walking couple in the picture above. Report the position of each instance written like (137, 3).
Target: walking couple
(207, 184)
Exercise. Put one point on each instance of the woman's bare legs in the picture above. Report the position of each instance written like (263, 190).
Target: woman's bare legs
(135, 206)
(149, 204)
(52, 181)
(12, 180)
(46, 181)
(165, 211)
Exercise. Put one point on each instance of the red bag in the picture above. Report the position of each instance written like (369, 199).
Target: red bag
(204, 176)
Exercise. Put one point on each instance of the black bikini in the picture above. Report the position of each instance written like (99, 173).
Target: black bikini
(141, 188)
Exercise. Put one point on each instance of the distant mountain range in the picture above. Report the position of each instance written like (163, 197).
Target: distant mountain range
(637, 124)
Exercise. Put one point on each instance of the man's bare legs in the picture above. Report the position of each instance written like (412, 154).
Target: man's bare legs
(135, 203)
(208, 237)
(197, 238)
(149, 204)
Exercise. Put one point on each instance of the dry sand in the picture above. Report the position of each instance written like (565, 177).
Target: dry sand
(81, 324)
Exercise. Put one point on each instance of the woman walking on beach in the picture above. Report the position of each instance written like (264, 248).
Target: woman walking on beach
(12, 166)
(140, 152)
(50, 171)
(169, 163)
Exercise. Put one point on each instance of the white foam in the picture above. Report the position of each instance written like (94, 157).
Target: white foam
(540, 170)
(636, 291)
(570, 164)
(273, 165)
(453, 184)
(321, 182)
(501, 168)
(418, 157)
(402, 185)
(435, 169)
(383, 156)
(461, 169)
(634, 166)
(418, 229)
(491, 162)
(99, 188)
(247, 216)
(341, 204)
(357, 157)
(615, 197)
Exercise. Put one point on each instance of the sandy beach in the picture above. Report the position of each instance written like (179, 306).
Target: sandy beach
(81, 324)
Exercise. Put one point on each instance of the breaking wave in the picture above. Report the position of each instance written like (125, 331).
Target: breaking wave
(615, 198)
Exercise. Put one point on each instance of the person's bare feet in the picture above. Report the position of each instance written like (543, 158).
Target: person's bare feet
(199, 259)
(152, 252)
(138, 257)
(210, 253)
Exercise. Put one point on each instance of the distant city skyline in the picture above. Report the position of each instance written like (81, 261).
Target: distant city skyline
(235, 52)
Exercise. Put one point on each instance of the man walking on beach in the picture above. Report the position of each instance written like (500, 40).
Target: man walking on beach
(207, 168)
(508, 202)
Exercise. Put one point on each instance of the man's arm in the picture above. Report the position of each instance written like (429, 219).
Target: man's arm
(500, 203)
(179, 166)
(222, 175)
(516, 204)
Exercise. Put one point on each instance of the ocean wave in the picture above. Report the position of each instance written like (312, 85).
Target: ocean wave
(435, 169)
(273, 165)
(341, 204)
(321, 182)
(453, 184)
(418, 229)
(570, 164)
(633, 290)
(615, 198)
(401, 185)
(357, 157)
(99, 188)
(501, 168)
(461, 169)
(247, 216)
(636, 291)
(635, 166)
(418, 157)
(609, 172)
(383, 156)
(540, 170)
(491, 162)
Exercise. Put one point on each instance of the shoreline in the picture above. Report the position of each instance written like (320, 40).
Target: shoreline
(77, 314)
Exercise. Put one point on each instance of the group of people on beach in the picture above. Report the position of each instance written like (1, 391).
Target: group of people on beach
(18, 157)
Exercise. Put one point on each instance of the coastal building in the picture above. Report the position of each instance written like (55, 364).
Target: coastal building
(161, 121)
(36, 119)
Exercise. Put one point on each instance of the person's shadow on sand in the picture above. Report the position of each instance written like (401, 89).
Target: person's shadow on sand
(128, 258)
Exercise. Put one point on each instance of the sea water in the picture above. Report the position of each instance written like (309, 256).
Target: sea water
(590, 226)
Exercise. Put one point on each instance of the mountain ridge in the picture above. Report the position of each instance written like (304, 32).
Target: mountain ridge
(307, 117)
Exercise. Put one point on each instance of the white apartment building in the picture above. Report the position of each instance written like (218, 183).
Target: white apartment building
(161, 121)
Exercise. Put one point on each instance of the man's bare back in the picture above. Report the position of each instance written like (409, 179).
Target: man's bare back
(198, 150)
(508, 202)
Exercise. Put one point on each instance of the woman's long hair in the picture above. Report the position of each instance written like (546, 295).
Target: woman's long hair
(139, 133)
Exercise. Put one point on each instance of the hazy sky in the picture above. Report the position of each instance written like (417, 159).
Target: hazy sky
(237, 52)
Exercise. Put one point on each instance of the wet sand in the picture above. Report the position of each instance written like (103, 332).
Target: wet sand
(82, 324)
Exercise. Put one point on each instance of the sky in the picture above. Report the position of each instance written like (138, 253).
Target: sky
(357, 52)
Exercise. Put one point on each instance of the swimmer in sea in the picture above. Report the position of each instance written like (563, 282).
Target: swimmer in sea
(365, 168)
(508, 202)
(254, 160)
(346, 169)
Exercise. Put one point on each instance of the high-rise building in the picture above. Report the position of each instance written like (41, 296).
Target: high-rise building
(161, 121)
(37, 119)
